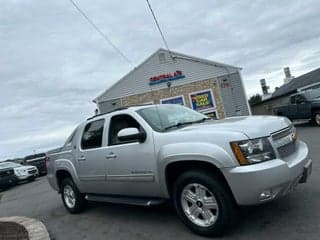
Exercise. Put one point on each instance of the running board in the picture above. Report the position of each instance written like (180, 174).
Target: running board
(125, 200)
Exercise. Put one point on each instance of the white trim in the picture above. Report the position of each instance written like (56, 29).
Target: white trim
(212, 97)
(170, 98)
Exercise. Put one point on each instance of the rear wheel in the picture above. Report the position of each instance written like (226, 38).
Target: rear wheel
(203, 203)
(72, 199)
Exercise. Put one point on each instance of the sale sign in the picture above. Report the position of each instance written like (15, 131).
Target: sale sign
(202, 100)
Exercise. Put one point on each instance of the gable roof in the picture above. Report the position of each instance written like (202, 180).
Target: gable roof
(226, 67)
(298, 82)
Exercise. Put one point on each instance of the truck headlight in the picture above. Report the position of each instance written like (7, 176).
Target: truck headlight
(253, 151)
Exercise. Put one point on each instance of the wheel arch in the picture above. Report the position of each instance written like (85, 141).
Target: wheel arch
(174, 169)
(62, 174)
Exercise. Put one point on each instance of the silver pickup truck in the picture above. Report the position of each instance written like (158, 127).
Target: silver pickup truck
(145, 155)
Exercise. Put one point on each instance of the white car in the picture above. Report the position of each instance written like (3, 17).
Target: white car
(22, 172)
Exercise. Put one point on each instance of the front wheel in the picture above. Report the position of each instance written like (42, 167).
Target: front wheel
(72, 199)
(317, 118)
(203, 203)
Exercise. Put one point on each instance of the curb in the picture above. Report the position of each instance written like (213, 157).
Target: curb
(35, 228)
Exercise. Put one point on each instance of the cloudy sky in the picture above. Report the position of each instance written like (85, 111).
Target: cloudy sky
(52, 63)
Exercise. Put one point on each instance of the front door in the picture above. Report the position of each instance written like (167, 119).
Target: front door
(131, 165)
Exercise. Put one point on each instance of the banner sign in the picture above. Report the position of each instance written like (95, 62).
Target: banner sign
(212, 114)
(166, 77)
(173, 100)
(202, 100)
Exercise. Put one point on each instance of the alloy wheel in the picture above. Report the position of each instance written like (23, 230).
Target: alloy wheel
(199, 205)
(69, 196)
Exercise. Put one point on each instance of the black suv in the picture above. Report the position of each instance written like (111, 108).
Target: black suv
(7, 178)
(38, 160)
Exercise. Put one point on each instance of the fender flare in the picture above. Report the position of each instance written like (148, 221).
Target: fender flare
(199, 151)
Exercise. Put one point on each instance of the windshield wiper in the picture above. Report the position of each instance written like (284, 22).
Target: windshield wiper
(179, 124)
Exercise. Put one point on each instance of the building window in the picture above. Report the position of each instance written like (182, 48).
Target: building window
(162, 57)
(173, 100)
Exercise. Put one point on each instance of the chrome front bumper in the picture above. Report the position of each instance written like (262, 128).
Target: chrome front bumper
(258, 183)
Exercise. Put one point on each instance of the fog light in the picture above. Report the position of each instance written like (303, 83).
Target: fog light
(266, 194)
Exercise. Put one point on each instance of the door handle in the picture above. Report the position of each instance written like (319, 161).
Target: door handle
(111, 155)
(82, 158)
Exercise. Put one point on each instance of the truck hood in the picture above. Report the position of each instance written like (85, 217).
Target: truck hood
(251, 126)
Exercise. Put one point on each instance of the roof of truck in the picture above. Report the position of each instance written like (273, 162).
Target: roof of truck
(133, 107)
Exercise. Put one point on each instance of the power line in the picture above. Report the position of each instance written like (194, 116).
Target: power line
(158, 26)
(100, 32)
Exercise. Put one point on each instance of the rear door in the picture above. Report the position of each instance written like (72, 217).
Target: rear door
(292, 108)
(90, 157)
(303, 107)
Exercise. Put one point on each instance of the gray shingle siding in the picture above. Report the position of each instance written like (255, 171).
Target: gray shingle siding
(137, 81)
(233, 97)
(107, 106)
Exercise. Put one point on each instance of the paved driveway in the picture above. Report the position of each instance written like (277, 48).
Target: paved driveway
(296, 216)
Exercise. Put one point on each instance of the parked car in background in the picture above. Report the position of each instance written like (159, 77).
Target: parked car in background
(22, 172)
(303, 105)
(7, 177)
(38, 160)
(145, 155)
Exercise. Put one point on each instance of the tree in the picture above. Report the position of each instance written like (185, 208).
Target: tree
(255, 99)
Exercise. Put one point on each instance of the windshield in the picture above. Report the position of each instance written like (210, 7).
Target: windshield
(163, 117)
(9, 165)
(312, 94)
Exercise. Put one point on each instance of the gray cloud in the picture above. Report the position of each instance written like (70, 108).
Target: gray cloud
(52, 63)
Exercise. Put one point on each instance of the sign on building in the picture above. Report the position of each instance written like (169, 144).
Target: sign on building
(202, 100)
(173, 100)
(166, 77)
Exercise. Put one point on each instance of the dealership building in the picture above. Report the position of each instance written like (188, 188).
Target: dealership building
(215, 89)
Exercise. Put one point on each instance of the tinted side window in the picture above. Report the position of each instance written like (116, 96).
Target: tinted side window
(118, 123)
(92, 135)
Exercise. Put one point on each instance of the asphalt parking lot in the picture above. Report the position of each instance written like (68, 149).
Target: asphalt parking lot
(296, 216)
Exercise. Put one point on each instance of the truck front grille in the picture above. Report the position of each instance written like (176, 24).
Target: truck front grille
(287, 150)
(32, 171)
(285, 141)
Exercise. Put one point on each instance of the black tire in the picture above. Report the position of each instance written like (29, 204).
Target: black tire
(32, 179)
(316, 118)
(80, 201)
(227, 209)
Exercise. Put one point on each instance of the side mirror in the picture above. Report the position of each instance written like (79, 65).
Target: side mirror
(131, 134)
